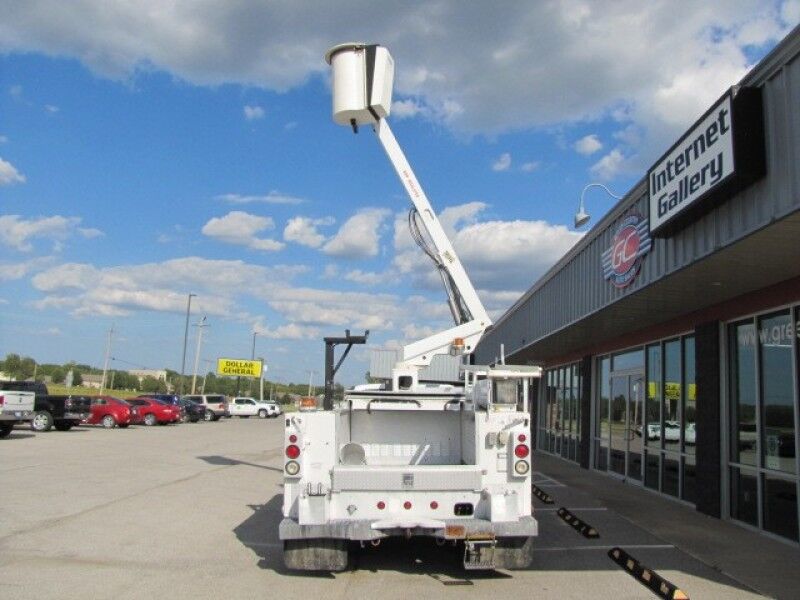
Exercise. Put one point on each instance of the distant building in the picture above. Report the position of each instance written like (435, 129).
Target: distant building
(92, 381)
(154, 373)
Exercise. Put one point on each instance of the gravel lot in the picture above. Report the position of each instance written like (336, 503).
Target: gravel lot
(191, 511)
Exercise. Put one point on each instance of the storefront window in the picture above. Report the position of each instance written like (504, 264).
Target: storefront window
(689, 396)
(775, 334)
(744, 440)
(762, 412)
(628, 360)
(604, 426)
(653, 423)
(562, 405)
(672, 396)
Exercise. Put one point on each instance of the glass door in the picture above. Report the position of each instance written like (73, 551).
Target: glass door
(627, 397)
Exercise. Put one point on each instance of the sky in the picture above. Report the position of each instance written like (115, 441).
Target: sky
(149, 150)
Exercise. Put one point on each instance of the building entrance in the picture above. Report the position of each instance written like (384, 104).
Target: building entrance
(626, 417)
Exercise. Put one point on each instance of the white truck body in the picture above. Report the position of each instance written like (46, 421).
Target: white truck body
(450, 462)
(15, 407)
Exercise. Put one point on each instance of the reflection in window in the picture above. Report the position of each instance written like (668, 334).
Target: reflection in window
(744, 497)
(629, 360)
(775, 334)
(780, 507)
(689, 396)
(672, 395)
(605, 394)
(744, 437)
(653, 424)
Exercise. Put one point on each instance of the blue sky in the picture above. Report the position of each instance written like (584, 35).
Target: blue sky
(149, 152)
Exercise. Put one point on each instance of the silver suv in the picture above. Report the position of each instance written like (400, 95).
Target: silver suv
(216, 405)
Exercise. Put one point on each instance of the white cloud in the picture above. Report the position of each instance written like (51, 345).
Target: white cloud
(90, 232)
(490, 250)
(408, 108)
(242, 229)
(662, 63)
(51, 109)
(9, 174)
(3, 139)
(359, 236)
(289, 331)
(17, 270)
(531, 166)
(609, 166)
(503, 162)
(588, 145)
(273, 197)
(253, 113)
(18, 233)
(372, 278)
(331, 271)
(303, 231)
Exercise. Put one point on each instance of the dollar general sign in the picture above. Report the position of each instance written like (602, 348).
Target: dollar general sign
(237, 367)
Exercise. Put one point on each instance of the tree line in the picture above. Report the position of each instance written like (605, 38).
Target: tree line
(26, 368)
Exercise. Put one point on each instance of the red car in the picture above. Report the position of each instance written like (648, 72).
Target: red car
(152, 411)
(111, 412)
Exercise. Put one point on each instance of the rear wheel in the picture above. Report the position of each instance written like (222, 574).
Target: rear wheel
(109, 422)
(5, 428)
(321, 554)
(262, 414)
(209, 416)
(42, 421)
(150, 419)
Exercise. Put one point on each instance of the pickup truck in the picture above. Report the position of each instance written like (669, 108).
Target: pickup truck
(250, 407)
(60, 411)
(15, 407)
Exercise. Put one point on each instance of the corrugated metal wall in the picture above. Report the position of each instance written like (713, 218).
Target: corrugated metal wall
(575, 287)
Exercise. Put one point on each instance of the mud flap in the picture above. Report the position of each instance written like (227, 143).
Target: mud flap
(323, 554)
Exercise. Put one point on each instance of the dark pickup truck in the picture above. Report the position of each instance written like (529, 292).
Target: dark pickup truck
(61, 412)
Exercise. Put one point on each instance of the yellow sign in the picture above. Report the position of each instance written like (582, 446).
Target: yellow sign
(238, 367)
(672, 389)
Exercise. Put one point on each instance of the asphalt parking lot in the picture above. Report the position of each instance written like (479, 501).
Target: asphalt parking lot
(191, 511)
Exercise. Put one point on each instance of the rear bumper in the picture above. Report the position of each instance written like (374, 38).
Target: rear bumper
(362, 530)
(16, 415)
(74, 416)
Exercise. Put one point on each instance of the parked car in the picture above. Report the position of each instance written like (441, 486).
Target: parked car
(62, 411)
(111, 412)
(152, 411)
(172, 400)
(250, 407)
(15, 407)
(216, 405)
(193, 412)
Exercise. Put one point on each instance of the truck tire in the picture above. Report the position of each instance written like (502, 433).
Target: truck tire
(42, 421)
(513, 553)
(262, 414)
(315, 554)
(63, 425)
(5, 428)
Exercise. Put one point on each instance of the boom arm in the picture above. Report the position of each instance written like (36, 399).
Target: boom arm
(420, 353)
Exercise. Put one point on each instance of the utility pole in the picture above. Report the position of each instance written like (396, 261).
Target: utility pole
(252, 357)
(105, 362)
(200, 326)
(207, 362)
(310, 378)
(185, 339)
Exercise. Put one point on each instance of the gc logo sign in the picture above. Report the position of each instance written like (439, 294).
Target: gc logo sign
(622, 260)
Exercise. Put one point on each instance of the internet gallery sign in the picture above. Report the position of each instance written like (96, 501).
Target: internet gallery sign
(720, 155)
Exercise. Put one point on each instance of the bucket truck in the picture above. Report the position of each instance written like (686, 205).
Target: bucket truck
(410, 458)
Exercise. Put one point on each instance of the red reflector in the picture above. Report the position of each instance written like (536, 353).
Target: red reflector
(2, 400)
(381, 505)
(522, 437)
(292, 451)
(293, 438)
(521, 451)
(434, 505)
(407, 505)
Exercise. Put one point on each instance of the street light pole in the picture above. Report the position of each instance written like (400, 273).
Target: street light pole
(252, 357)
(185, 339)
(310, 377)
(200, 326)
(105, 363)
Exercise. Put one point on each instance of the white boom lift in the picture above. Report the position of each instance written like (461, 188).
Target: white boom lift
(407, 458)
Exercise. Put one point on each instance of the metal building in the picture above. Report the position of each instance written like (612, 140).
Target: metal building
(669, 333)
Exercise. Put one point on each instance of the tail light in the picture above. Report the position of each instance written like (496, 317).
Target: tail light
(2, 400)
(434, 505)
(407, 505)
(522, 451)
(381, 505)
(292, 451)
